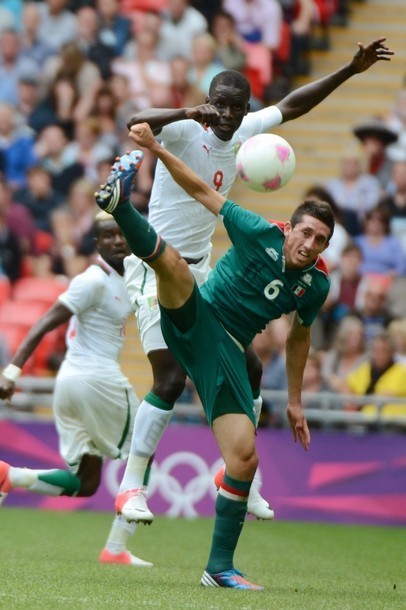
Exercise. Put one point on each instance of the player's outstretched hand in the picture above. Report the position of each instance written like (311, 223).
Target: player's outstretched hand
(367, 56)
(298, 425)
(205, 114)
(7, 388)
(142, 135)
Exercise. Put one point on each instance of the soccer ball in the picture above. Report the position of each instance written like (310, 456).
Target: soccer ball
(265, 162)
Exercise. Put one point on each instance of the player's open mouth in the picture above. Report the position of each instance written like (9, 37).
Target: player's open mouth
(303, 255)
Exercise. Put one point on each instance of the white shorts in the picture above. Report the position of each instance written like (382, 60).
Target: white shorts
(141, 286)
(94, 415)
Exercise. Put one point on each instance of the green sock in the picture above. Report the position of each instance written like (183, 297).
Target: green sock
(230, 514)
(256, 393)
(157, 402)
(67, 481)
(144, 242)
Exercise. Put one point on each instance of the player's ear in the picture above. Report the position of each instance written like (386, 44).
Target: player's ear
(287, 228)
(248, 108)
(207, 100)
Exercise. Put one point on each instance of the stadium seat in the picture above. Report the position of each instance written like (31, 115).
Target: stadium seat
(16, 318)
(129, 6)
(21, 313)
(258, 68)
(13, 334)
(38, 289)
(5, 289)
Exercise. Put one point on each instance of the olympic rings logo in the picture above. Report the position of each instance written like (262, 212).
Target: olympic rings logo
(172, 481)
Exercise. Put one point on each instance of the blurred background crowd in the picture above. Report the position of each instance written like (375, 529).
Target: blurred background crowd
(74, 71)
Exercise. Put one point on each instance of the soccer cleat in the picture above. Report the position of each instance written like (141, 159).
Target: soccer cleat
(124, 558)
(232, 579)
(5, 483)
(257, 505)
(118, 185)
(132, 504)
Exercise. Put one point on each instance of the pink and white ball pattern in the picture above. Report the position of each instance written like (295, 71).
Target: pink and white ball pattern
(265, 162)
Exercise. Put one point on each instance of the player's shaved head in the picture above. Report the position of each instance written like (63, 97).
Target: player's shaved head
(231, 78)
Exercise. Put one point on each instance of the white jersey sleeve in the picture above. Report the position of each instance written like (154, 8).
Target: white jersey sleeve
(83, 293)
(259, 122)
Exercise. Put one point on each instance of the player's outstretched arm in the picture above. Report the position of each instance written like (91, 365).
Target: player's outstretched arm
(55, 316)
(187, 179)
(305, 98)
(157, 118)
(297, 350)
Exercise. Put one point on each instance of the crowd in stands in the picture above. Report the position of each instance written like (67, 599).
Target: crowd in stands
(74, 71)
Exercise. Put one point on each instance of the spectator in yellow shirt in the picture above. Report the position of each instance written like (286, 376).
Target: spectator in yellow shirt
(380, 375)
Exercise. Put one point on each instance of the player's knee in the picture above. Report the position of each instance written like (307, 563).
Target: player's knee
(89, 474)
(170, 387)
(249, 463)
(242, 465)
(89, 485)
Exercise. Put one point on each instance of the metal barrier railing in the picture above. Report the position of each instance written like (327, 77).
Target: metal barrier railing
(33, 400)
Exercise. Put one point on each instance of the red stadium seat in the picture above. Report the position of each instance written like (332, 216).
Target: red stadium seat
(128, 6)
(16, 319)
(13, 334)
(5, 289)
(38, 289)
(21, 313)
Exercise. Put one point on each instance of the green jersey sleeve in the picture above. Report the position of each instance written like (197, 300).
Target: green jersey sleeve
(241, 224)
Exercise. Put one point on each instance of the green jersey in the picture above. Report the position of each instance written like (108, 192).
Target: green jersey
(250, 286)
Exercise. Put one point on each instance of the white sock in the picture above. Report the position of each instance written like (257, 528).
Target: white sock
(149, 425)
(119, 534)
(28, 478)
(134, 473)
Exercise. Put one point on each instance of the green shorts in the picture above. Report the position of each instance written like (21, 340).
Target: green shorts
(211, 358)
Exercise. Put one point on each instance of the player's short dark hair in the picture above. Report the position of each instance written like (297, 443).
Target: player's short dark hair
(231, 78)
(316, 208)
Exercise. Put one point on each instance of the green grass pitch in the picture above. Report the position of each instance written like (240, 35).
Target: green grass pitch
(48, 561)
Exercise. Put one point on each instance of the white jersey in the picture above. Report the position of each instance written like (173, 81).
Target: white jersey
(100, 303)
(179, 219)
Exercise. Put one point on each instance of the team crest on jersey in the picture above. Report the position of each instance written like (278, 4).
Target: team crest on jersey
(307, 279)
(152, 303)
(272, 253)
(298, 290)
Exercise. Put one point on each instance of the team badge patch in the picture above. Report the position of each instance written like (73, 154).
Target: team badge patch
(298, 290)
(152, 303)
